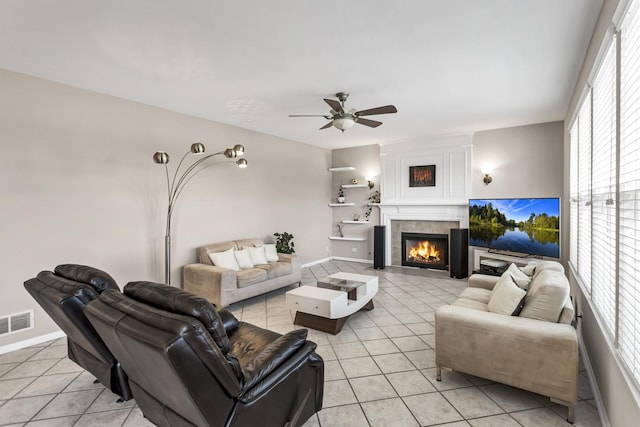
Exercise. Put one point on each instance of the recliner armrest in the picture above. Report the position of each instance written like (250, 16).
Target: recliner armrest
(272, 357)
(229, 321)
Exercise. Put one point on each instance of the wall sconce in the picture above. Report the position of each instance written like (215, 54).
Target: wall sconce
(370, 182)
(487, 175)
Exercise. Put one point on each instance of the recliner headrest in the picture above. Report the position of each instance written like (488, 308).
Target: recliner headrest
(98, 279)
(176, 300)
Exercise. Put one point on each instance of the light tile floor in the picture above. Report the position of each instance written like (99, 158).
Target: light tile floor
(379, 371)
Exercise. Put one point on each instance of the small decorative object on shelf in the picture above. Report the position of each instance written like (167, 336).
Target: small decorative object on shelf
(354, 181)
(356, 216)
(284, 243)
(340, 233)
(341, 198)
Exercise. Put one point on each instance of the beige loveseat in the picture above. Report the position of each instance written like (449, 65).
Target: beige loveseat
(536, 350)
(224, 286)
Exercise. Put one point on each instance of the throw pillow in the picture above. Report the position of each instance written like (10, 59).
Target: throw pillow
(225, 259)
(507, 298)
(257, 255)
(271, 253)
(521, 279)
(244, 258)
(528, 269)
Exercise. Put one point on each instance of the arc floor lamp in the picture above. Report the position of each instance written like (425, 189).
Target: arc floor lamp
(178, 182)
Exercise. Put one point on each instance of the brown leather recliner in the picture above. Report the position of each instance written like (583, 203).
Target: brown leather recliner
(189, 364)
(63, 295)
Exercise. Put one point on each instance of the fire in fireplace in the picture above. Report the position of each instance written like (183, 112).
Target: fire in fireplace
(425, 250)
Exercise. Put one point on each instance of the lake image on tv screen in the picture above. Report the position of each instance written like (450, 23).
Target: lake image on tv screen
(529, 226)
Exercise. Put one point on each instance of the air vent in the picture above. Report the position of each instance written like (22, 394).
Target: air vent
(16, 322)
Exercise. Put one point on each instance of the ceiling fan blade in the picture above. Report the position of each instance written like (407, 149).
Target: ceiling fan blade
(311, 115)
(367, 122)
(327, 126)
(335, 105)
(379, 110)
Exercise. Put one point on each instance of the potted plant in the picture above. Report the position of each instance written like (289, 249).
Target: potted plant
(284, 243)
(341, 198)
(373, 198)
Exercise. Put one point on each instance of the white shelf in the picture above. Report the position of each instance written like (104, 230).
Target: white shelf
(342, 169)
(335, 205)
(355, 222)
(355, 185)
(350, 239)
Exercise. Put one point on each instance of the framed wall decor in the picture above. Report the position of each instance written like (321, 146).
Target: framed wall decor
(422, 176)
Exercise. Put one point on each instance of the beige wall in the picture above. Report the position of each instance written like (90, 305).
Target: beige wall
(526, 160)
(366, 160)
(621, 404)
(78, 185)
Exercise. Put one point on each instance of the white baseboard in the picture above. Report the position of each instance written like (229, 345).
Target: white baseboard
(31, 341)
(365, 261)
(318, 261)
(602, 411)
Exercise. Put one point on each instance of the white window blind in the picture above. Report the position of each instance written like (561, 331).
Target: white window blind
(629, 189)
(573, 195)
(584, 192)
(603, 190)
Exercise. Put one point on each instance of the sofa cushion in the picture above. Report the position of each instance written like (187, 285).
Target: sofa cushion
(257, 255)
(225, 259)
(547, 296)
(251, 276)
(469, 303)
(506, 297)
(244, 258)
(271, 252)
(276, 269)
(176, 300)
(521, 279)
(547, 265)
(476, 294)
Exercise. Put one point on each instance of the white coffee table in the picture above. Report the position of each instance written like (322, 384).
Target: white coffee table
(327, 306)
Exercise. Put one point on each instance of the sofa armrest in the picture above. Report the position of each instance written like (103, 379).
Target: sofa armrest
(535, 355)
(295, 261)
(208, 281)
(483, 281)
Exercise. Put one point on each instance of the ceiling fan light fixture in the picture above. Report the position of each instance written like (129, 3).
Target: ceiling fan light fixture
(344, 123)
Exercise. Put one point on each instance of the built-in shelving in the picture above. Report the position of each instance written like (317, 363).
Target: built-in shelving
(350, 239)
(355, 185)
(335, 205)
(342, 169)
(354, 222)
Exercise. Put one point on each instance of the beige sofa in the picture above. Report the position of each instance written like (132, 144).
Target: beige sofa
(224, 286)
(536, 350)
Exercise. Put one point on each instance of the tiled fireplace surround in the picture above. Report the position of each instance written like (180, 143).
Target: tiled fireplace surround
(417, 218)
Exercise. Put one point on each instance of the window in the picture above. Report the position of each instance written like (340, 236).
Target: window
(604, 186)
(603, 190)
(629, 188)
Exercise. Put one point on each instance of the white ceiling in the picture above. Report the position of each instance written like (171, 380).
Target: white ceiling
(449, 66)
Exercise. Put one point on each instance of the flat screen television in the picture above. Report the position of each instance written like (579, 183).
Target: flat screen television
(522, 226)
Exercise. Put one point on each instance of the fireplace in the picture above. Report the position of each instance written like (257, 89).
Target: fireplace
(425, 250)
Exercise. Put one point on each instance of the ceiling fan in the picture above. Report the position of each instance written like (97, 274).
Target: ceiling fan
(343, 118)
